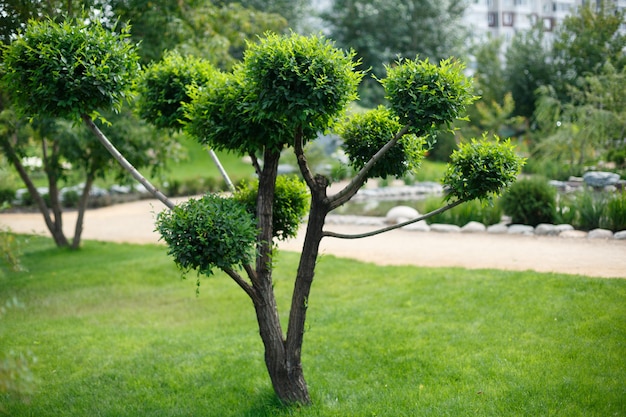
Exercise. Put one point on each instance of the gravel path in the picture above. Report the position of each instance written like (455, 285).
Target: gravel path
(134, 223)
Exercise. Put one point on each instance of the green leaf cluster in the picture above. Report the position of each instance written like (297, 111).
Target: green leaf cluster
(285, 83)
(164, 86)
(207, 233)
(481, 169)
(291, 204)
(304, 81)
(365, 133)
(427, 96)
(69, 69)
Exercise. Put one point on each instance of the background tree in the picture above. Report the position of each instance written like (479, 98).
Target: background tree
(381, 31)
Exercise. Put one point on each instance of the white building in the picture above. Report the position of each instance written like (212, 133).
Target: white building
(503, 18)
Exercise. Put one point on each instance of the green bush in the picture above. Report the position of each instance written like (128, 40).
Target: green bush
(590, 209)
(291, 203)
(474, 210)
(530, 201)
(616, 212)
(207, 233)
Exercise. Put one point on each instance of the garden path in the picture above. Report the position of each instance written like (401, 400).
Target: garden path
(134, 223)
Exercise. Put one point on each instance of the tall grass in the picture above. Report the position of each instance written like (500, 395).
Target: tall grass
(116, 332)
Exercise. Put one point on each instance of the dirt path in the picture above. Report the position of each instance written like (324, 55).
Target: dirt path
(134, 223)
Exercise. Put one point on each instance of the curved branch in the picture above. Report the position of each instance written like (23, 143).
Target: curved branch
(302, 163)
(395, 226)
(125, 164)
(255, 163)
(242, 283)
(351, 189)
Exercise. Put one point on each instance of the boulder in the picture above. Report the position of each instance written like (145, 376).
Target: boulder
(474, 227)
(498, 229)
(621, 235)
(400, 214)
(600, 234)
(545, 229)
(560, 228)
(573, 234)
(445, 228)
(600, 179)
(521, 229)
(420, 226)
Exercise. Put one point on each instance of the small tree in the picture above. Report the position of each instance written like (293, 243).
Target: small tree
(288, 89)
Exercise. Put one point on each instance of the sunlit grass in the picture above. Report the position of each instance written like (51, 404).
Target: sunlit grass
(116, 332)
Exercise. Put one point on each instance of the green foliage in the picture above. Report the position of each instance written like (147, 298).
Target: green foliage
(68, 69)
(285, 83)
(207, 233)
(10, 251)
(471, 211)
(291, 204)
(530, 201)
(591, 209)
(303, 81)
(481, 169)
(426, 96)
(365, 133)
(616, 212)
(164, 85)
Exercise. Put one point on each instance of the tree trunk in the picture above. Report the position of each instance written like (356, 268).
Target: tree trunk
(286, 376)
(57, 235)
(82, 206)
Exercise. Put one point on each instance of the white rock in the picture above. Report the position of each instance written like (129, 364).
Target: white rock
(420, 226)
(521, 229)
(497, 229)
(621, 235)
(400, 214)
(560, 228)
(600, 234)
(545, 229)
(573, 234)
(474, 227)
(445, 228)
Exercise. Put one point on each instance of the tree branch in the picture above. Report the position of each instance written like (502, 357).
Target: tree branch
(242, 283)
(351, 189)
(395, 226)
(301, 158)
(125, 164)
(255, 163)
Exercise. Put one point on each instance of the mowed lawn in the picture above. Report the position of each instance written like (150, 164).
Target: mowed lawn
(113, 330)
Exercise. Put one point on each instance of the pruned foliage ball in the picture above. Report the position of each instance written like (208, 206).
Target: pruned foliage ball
(69, 69)
(291, 203)
(164, 87)
(365, 133)
(481, 169)
(427, 96)
(207, 233)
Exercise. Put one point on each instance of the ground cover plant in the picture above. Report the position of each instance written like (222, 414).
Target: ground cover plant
(131, 338)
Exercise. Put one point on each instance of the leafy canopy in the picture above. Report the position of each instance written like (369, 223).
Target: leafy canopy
(426, 96)
(365, 133)
(481, 169)
(207, 233)
(69, 69)
(291, 204)
(164, 86)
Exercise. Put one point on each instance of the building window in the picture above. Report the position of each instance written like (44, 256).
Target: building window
(548, 24)
(492, 19)
(508, 18)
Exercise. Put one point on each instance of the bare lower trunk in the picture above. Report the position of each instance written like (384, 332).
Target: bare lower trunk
(82, 206)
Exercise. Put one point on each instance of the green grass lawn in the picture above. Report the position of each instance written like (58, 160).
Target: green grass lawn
(116, 332)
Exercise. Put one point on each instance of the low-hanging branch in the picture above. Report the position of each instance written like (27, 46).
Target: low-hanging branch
(395, 226)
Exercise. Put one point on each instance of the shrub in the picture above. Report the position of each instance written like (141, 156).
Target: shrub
(474, 210)
(291, 203)
(616, 212)
(590, 209)
(530, 201)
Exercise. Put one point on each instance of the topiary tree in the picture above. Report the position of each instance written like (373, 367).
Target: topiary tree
(66, 71)
(287, 90)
